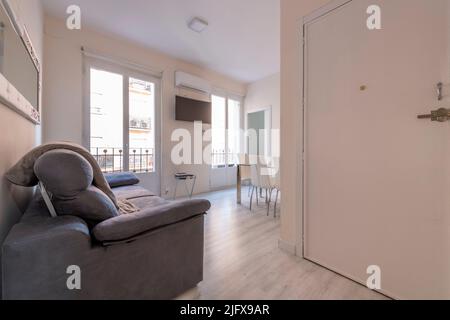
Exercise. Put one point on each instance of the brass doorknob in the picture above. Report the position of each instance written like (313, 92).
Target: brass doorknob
(439, 115)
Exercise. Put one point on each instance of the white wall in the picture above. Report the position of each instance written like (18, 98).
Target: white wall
(63, 90)
(18, 134)
(265, 93)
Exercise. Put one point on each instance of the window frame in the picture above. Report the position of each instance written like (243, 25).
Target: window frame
(127, 72)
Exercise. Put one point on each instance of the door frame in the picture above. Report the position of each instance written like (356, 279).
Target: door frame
(308, 19)
(267, 123)
(127, 71)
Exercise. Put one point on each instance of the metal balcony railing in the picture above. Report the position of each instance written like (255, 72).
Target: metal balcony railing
(140, 160)
(221, 159)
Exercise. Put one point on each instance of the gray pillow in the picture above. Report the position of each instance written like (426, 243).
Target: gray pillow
(64, 173)
(68, 177)
(121, 179)
(90, 205)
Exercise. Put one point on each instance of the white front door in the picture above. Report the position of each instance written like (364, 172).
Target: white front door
(377, 184)
(122, 117)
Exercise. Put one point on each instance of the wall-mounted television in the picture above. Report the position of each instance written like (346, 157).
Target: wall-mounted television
(192, 110)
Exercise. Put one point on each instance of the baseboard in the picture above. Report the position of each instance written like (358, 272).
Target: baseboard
(287, 247)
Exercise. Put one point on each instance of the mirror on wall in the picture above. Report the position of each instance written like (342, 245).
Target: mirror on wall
(18, 63)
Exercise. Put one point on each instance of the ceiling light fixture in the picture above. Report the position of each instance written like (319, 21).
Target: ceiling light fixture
(198, 25)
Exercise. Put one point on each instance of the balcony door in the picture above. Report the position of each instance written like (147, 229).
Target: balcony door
(122, 120)
(226, 140)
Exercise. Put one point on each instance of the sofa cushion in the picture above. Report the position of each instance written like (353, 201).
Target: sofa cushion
(147, 202)
(132, 192)
(127, 226)
(92, 205)
(68, 177)
(64, 173)
(121, 179)
(23, 174)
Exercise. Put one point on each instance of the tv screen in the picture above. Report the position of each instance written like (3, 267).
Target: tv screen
(192, 110)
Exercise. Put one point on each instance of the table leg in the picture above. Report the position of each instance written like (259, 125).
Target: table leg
(239, 185)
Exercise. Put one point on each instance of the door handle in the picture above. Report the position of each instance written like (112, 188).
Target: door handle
(439, 115)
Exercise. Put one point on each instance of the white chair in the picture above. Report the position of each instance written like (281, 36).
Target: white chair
(246, 178)
(275, 183)
(260, 182)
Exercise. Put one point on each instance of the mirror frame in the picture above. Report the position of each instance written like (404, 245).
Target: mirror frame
(9, 95)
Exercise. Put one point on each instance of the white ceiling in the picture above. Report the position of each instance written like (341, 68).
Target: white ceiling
(242, 40)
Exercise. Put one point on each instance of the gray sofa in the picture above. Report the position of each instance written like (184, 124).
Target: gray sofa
(156, 253)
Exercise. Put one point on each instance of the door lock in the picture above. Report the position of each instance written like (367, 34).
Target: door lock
(439, 115)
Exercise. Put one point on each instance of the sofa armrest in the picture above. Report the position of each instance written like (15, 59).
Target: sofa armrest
(62, 232)
(37, 252)
(127, 226)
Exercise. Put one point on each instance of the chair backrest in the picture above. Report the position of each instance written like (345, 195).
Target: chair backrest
(275, 180)
(264, 178)
(259, 179)
(245, 173)
(254, 176)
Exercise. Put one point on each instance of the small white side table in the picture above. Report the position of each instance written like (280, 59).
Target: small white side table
(185, 177)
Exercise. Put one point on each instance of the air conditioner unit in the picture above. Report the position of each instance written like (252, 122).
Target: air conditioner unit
(185, 80)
